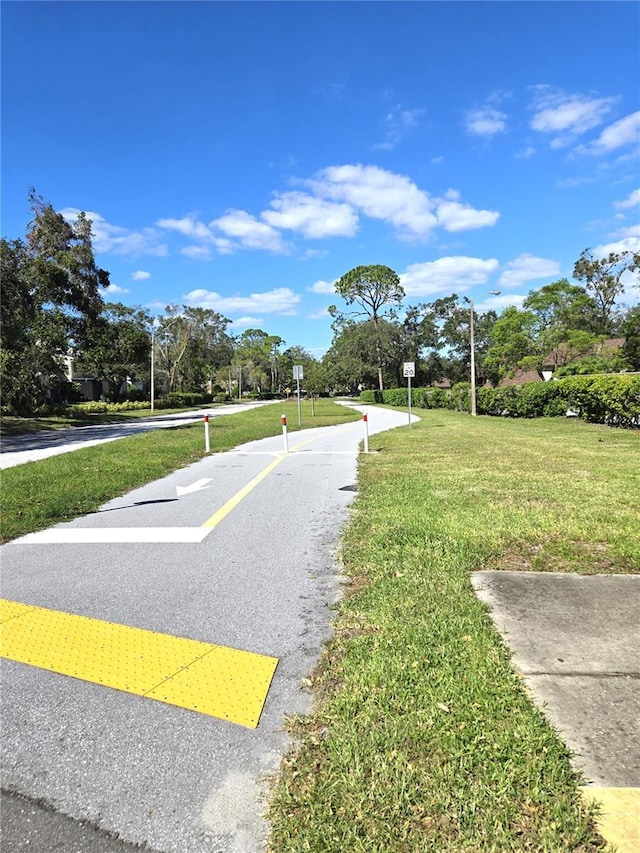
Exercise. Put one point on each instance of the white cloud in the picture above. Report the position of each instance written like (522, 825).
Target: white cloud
(394, 198)
(454, 216)
(281, 300)
(330, 207)
(631, 201)
(313, 253)
(321, 314)
(197, 253)
(379, 194)
(193, 228)
(565, 117)
(625, 131)
(114, 238)
(249, 231)
(624, 240)
(399, 122)
(631, 231)
(248, 322)
(189, 226)
(498, 303)
(312, 217)
(486, 121)
(115, 288)
(140, 275)
(322, 287)
(446, 275)
(525, 153)
(528, 268)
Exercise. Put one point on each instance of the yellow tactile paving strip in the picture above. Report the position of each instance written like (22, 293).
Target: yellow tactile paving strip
(216, 680)
(619, 818)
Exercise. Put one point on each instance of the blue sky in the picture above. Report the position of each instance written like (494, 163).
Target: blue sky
(242, 156)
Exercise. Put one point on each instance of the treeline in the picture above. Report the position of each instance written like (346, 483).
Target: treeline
(567, 327)
(55, 322)
(53, 314)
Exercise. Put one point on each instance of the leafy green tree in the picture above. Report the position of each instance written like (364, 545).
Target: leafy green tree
(258, 354)
(512, 339)
(50, 296)
(209, 348)
(630, 330)
(353, 360)
(602, 279)
(117, 346)
(377, 292)
(558, 308)
(454, 320)
(295, 355)
(191, 345)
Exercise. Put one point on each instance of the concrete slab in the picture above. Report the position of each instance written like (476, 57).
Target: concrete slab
(576, 639)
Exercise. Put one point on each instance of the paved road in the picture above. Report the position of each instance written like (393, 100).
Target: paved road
(18, 449)
(260, 578)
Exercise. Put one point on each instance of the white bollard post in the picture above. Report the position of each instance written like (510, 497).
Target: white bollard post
(284, 433)
(365, 422)
(207, 446)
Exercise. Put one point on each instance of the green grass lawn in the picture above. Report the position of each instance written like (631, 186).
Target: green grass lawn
(423, 738)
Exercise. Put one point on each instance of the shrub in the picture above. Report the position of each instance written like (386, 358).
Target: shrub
(396, 397)
(182, 399)
(603, 398)
(461, 397)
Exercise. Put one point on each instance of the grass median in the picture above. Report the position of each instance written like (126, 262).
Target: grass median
(423, 737)
(37, 495)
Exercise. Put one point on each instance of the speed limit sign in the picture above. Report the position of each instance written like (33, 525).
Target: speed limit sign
(409, 368)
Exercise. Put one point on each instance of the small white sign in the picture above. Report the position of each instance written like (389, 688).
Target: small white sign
(298, 372)
(409, 369)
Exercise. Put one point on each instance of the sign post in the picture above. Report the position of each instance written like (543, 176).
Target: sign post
(298, 374)
(409, 370)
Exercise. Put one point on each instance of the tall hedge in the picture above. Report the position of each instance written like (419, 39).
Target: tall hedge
(603, 398)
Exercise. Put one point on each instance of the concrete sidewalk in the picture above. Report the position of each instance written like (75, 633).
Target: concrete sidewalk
(576, 640)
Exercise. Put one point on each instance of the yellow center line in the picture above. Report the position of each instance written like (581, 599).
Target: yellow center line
(233, 502)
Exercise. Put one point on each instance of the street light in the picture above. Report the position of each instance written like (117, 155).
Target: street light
(473, 352)
(153, 340)
(153, 363)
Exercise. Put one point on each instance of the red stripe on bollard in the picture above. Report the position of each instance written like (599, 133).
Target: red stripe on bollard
(284, 420)
(206, 419)
(365, 418)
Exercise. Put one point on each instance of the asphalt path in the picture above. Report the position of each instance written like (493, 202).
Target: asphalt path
(263, 580)
(31, 447)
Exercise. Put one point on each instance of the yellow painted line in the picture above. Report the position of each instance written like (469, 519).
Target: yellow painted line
(216, 680)
(233, 502)
(619, 818)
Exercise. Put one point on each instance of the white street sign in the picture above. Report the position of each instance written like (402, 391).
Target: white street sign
(409, 369)
(298, 372)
